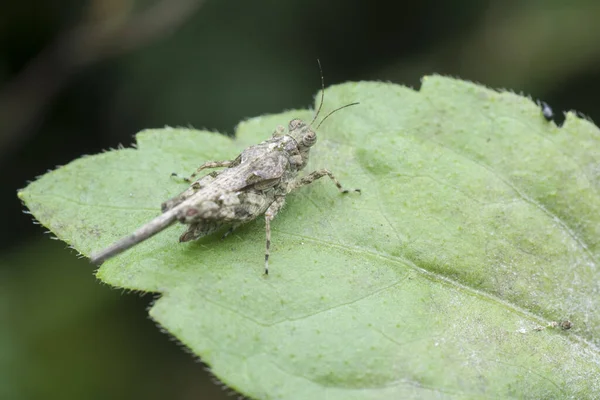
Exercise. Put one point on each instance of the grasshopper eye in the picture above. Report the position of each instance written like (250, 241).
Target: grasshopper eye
(296, 124)
(309, 139)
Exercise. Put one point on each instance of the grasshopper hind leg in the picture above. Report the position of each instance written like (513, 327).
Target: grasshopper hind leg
(189, 192)
(198, 230)
(213, 164)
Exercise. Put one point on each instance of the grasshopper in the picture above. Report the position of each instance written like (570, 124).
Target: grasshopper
(256, 182)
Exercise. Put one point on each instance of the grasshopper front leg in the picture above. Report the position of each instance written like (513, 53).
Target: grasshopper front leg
(313, 176)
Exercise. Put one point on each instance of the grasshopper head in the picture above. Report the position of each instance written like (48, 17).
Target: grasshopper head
(303, 134)
(305, 137)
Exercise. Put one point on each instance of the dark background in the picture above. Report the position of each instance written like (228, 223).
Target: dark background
(77, 77)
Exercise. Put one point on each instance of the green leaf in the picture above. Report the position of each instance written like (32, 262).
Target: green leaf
(477, 228)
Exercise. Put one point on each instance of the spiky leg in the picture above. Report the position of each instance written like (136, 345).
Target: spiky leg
(313, 176)
(211, 164)
(208, 164)
(194, 187)
(191, 178)
(269, 215)
(198, 230)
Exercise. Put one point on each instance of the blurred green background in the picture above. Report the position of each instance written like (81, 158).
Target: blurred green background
(78, 77)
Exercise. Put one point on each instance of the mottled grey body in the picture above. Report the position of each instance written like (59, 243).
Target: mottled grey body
(239, 193)
(254, 183)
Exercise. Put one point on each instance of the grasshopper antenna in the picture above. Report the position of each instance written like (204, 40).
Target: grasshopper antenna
(322, 93)
(144, 232)
(337, 109)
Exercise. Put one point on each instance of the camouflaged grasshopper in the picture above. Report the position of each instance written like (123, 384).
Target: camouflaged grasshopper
(254, 183)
